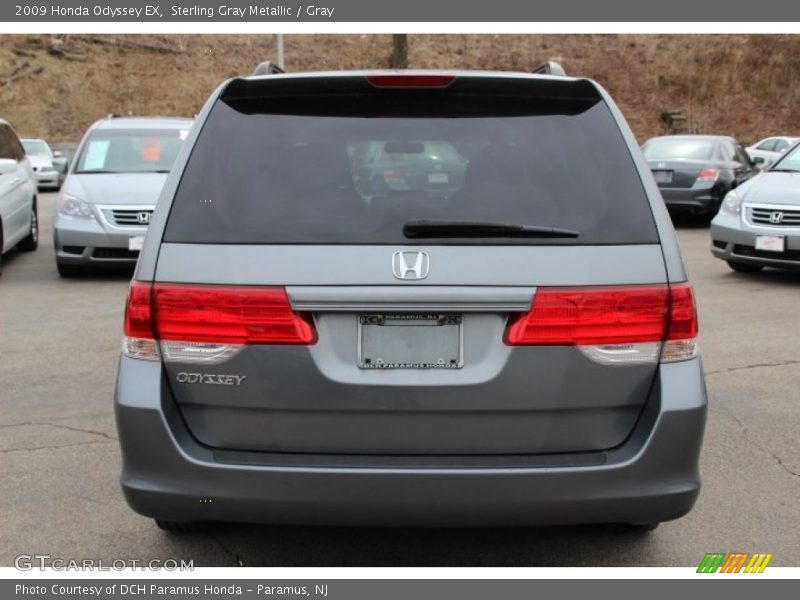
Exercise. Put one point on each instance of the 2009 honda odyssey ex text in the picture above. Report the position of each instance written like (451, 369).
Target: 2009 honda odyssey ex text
(410, 298)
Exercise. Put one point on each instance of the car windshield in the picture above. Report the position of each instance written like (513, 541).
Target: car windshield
(130, 151)
(677, 148)
(789, 161)
(36, 148)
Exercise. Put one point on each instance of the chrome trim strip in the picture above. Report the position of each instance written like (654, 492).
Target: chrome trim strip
(410, 298)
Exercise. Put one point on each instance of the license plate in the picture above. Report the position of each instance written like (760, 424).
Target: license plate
(410, 341)
(662, 176)
(136, 242)
(438, 178)
(771, 243)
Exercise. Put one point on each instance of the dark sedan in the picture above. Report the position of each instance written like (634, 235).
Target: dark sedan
(384, 169)
(694, 172)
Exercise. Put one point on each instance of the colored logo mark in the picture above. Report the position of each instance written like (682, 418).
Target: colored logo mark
(736, 562)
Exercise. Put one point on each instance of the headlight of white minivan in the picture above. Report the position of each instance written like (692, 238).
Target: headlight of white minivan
(732, 204)
(71, 206)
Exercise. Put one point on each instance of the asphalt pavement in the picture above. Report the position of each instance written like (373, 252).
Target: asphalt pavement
(59, 458)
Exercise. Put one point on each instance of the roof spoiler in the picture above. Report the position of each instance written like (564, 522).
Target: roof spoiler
(268, 68)
(550, 68)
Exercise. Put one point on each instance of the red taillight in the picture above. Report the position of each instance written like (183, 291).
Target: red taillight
(393, 176)
(683, 313)
(411, 81)
(602, 315)
(606, 316)
(228, 315)
(138, 313)
(709, 174)
(215, 314)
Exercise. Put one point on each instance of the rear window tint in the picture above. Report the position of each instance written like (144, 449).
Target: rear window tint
(666, 149)
(354, 168)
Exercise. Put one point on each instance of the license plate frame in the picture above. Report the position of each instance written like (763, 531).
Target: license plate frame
(441, 178)
(386, 341)
(662, 176)
(771, 243)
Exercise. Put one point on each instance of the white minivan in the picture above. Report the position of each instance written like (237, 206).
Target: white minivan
(19, 225)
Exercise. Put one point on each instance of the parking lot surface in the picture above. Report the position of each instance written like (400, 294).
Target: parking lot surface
(59, 345)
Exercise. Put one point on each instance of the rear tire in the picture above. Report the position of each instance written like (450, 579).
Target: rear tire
(641, 528)
(31, 241)
(68, 271)
(741, 267)
(706, 218)
(181, 526)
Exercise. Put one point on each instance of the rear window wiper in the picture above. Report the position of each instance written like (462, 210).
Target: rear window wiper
(477, 229)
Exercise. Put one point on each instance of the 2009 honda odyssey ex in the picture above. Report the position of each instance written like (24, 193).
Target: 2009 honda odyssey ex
(410, 298)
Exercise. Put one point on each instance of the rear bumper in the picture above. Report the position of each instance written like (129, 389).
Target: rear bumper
(651, 477)
(48, 178)
(701, 198)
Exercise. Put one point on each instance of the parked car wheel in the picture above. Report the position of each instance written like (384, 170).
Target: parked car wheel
(740, 267)
(31, 241)
(68, 271)
(706, 218)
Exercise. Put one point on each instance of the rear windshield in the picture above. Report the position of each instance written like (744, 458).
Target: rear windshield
(672, 149)
(355, 168)
(130, 151)
(35, 148)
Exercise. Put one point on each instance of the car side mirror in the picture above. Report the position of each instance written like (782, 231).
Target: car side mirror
(7, 165)
(758, 161)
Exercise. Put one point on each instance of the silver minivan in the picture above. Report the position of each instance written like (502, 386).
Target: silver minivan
(506, 338)
(758, 224)
(111, 190)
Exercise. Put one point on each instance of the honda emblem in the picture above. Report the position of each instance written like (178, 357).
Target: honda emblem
(410, 265)
(776, 217)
